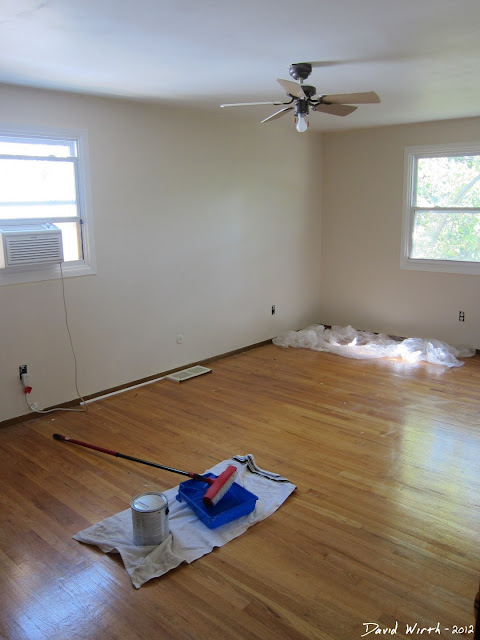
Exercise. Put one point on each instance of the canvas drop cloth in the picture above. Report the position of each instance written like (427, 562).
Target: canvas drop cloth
(189, 538)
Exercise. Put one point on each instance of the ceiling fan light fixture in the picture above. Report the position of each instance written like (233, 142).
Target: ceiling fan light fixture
(301, 114)
(302, 122)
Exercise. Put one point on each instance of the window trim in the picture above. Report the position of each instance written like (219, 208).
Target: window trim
(409, 181)
(86, 266)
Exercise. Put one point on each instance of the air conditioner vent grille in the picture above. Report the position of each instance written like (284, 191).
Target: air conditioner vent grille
(31, 245)
(186, 374)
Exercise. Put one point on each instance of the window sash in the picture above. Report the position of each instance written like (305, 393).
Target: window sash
(52, 219)
(447, 209)
(47, 205)
(18, 156)
(410, 210)
(75, 184)
(33, 138)
(456, 250)
(416, 187)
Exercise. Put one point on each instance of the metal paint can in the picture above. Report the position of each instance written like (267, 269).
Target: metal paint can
(149, 517)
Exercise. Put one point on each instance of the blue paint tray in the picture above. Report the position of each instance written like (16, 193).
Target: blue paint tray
(237, 502)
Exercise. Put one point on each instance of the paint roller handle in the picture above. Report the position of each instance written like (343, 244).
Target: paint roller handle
(194, 476)
(57, 436)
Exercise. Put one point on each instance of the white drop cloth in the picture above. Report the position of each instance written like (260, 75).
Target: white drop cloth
(190, 538)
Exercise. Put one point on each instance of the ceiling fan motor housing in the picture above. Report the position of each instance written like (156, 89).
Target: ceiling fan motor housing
(308, 90)
(300, 70)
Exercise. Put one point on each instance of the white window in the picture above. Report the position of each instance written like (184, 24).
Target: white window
(44, 179)
(441, 218)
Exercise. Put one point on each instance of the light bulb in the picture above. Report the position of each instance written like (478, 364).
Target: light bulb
(302, 122)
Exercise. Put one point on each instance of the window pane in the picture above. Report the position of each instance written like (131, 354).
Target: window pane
(448, 181)
(446, 236)
(35, 182)
(38, 148)
(71, 240)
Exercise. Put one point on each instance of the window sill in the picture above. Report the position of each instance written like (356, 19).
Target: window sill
(441, 266)
(51, 272)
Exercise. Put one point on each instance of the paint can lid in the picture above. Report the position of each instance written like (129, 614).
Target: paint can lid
(148, 500)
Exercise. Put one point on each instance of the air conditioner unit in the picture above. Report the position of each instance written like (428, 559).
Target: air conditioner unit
(30, 244)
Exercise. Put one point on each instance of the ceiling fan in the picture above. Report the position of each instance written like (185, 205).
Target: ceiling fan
(303, 97)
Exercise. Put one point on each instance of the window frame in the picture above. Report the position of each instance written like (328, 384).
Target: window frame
(87, 265)
(411, 155)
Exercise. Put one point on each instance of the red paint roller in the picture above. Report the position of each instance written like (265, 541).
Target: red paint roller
(215, 492)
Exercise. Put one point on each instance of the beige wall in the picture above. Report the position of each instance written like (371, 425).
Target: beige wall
(362, 283)
(200, 226)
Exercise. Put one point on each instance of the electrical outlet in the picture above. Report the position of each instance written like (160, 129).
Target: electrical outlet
(273, 309)
(461, 316)
(22, 369)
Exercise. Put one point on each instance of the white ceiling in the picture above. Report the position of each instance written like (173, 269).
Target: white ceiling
(421, 56)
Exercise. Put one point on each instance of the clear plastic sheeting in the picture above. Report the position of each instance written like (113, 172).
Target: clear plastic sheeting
(348, 342)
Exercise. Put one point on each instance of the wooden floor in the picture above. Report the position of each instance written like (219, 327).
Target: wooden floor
(384, 527)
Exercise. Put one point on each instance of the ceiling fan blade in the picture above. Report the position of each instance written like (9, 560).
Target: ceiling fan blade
(251, 104)
(277, 114)
(325, 63)
(292, 88)
(335, 109)
(368, 97)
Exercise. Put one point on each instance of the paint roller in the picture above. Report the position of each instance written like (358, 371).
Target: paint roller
(218, 486)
